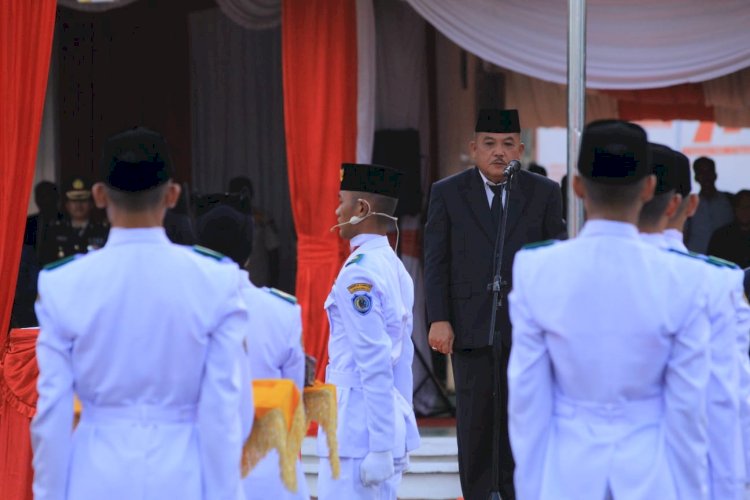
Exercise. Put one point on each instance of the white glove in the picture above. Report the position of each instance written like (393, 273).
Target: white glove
(376, 467)
(401, 464)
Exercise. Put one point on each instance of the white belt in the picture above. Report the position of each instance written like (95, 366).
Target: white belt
(343, 379)
(635, 411)
(139, 413)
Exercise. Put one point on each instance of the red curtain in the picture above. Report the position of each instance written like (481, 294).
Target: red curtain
(18, 395)
(319, 57)
(26, 30)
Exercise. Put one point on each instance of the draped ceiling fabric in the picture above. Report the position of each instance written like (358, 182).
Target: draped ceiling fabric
(89, 6)
(26, 31)
(637, 44)
(252, 14)
(320, 116)
(724, 100)
(730, 98)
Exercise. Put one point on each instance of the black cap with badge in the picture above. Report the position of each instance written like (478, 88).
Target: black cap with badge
(77, 189)
(136, 160)
(614, 152)
(367, 178)
(498, 121)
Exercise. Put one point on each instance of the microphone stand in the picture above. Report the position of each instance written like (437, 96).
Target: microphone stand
(497, 287)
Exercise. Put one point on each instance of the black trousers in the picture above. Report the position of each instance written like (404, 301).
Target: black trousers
(473, 375)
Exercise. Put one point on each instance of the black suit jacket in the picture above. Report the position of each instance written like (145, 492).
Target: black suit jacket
(459, 240)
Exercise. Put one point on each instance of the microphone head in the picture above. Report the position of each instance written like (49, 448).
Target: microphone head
(513, 167)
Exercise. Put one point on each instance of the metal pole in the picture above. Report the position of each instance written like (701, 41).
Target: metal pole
(576, 104)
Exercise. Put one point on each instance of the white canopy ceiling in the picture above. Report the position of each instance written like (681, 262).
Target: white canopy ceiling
(631, 44)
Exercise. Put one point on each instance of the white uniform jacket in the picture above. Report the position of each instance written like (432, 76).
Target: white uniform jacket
(148, 334)
(728, 279)
(274, 340)
(370, 352)
(608, 370)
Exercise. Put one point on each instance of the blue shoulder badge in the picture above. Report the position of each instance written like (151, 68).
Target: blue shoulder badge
(708, 259)
(208, 252)
(355, 260)
(282, 295)
(60, 263)
(362, 303)
(538, 244)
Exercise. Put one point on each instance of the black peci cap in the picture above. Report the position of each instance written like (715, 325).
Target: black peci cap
(498, 121)
(370, 179)
(614, 152)
(663, 166)
(226, 230)
(682, 173)
(136, 160)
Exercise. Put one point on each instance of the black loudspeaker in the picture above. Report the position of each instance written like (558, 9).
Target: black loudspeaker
(399, 149)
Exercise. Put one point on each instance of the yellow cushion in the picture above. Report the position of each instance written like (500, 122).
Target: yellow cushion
(275, 394)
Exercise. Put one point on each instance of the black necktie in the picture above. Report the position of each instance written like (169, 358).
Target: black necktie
(496, 209)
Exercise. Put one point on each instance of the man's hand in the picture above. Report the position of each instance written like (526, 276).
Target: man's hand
(441, 337)
(376, 467)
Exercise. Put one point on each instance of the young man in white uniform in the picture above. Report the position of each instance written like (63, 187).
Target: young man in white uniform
(148, 335)
(609, 365)
(725, 459)
(370, 350)
(730, 279)
(273, 338)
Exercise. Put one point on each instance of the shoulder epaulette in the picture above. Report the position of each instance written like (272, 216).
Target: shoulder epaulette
(356, 259)
(721, 262)
(208, 252)
(282, 295)
(538, 244)
(708, 259)
(59, 263)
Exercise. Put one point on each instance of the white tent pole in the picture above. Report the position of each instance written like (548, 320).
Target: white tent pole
(576, 104)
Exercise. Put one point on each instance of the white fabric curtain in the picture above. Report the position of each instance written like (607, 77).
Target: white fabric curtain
(402, 104)
(630, 45)
(252, 14)
(238, 120)
(365, 80)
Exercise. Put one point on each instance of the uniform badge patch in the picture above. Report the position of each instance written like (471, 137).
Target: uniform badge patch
(359, 287)
(362, 303)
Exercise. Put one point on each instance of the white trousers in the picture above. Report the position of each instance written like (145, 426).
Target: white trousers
(264, 481)
(349, 486)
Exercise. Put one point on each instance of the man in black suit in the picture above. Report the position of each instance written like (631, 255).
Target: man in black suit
(462, 220)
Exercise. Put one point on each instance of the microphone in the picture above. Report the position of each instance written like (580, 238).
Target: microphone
(353, 220)
(513, 167)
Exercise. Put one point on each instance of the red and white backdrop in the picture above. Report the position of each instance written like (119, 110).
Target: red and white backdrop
(346, 68)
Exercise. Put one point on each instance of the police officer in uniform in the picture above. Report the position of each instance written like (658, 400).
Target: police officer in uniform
(609, 366)
(370, 349)
(148, 335)
(76, 233)
(273, 338)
